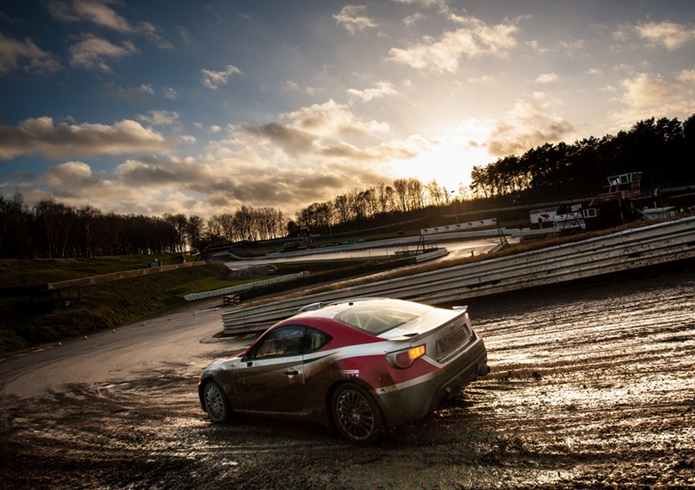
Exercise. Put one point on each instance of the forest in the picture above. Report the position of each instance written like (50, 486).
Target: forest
(662, 149)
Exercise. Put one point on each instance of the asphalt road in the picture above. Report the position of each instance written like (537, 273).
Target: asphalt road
(591, 387)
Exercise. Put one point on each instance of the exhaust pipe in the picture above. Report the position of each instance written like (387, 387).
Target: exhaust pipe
(484, 370)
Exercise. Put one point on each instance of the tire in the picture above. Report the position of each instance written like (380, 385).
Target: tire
(216, 403)
(355, 414)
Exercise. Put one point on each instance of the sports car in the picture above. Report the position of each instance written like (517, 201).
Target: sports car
(362, 365)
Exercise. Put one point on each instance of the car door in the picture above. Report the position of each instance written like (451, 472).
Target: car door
(271, 377)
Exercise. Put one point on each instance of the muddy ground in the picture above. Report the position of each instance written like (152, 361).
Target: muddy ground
(592, 386)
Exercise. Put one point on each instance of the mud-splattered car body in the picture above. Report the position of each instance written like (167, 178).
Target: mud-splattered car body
(361, 364)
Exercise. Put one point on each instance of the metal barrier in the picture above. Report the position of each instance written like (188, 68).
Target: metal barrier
(630, 249)
(243, 287)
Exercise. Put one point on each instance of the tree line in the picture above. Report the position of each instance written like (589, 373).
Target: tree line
(51, 229)
(661, 149)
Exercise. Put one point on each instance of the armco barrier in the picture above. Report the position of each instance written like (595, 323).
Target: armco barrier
(649, 245)
(115, 276)
(243, 287)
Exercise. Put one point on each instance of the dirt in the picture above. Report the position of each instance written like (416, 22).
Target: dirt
(591, 387)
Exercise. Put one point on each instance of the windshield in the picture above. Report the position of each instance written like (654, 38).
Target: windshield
(379, 316)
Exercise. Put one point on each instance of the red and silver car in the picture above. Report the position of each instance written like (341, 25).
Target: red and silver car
(361, 365)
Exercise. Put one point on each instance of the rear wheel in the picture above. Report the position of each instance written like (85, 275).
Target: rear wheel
(216, 404)
(356, 414)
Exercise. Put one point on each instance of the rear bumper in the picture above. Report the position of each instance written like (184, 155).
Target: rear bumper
(406, 403)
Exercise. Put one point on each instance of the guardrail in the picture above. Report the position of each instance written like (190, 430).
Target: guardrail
(640, 247)
(244, 287)
(115, 276)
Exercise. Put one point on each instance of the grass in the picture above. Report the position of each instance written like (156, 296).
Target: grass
(28, 320)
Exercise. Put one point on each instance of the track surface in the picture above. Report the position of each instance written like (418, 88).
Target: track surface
(592, 387)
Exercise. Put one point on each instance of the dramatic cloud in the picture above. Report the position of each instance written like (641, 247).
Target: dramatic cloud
(646, 96)
(77, 175)
(474, 40)
(335, 96)
(26, 55)
(213, 79)
(41, 136)
(525, 127)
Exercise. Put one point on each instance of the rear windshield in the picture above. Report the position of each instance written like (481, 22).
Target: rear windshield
(377, 317)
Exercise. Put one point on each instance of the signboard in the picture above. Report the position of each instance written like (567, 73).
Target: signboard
(542, 215)
(459, 226)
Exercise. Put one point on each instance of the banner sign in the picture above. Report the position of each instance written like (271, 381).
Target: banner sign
(459, 227)
(542, 215)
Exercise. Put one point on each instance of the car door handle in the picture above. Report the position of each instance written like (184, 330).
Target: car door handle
(291, 373)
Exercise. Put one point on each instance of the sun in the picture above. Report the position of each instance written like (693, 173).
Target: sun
(448, 161)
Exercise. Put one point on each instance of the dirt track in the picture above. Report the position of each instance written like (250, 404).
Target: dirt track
(592, 387)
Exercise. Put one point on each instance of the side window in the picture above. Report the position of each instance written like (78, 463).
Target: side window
(316, 339)
(284, 341)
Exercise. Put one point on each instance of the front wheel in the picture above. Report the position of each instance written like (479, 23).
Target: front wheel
(216, 404)
(356, 414)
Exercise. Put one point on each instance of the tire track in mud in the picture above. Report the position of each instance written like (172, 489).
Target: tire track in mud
(605, 380)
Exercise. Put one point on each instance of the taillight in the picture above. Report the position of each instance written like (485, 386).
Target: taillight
(405, 358)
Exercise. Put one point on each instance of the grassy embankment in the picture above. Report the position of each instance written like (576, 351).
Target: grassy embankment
(28, 320)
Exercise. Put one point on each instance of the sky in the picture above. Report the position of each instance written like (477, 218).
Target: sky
(201, 107)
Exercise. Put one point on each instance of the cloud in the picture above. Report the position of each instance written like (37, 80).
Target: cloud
(382, 89)
(667, 34)
(230, 182)
(526, 126)
(308, 155)
(169, 93)
(139, 95)
(92, 52)
(570, 48)
(77, 174)
(213, 79)
(441, 4)
(160, 118)
(293, 141)
(547, 78)
(25, 54)
(483, 79)
(645, 96)
(292, 86)
(474, 40)
(331, 119)
(351, 18)
(41, 136)
(95, 11)
(100, 13)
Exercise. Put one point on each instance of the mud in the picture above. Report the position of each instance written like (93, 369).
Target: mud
(591, 387)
